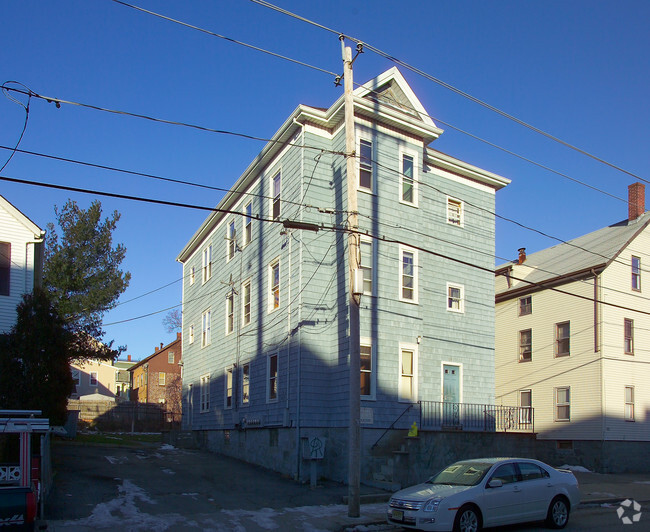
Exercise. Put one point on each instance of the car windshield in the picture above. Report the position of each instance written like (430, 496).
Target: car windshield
(461, 474)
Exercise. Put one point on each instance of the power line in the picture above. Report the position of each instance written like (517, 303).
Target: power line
(449, 87)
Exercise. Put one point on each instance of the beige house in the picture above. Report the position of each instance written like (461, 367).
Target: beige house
(573, 335)
(101, 380)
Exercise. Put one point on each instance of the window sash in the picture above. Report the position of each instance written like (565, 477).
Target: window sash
(191, 334)
(407, 375)
(276, 195)
(365, 164)
(273, 378)
(205, 393)
(230, 313)
(366, 369)
(628, 334)
(525, 305)
(275, 285)
(161, 378)
(206, 336)
(229, 388)
(93, 378)
(408, 275)
(232, 242)
(170, 357)
(366, 266)
(207, 263)
(562, 339)
(455, 298)
(525, 345)
(636, 273)
(247, 303)
(526, 404)
(248, 223)
(454, 212)
(245, 385)
(408, 182)
(562, 404)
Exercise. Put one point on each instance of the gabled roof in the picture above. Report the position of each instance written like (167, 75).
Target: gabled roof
(593, 251)
(29, 225)
(136, 365)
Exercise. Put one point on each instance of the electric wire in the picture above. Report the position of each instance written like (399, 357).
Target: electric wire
(22, 133)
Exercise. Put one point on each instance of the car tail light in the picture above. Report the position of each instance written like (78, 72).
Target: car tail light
(30, 507)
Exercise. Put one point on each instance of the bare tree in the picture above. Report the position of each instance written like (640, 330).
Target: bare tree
(173, 321)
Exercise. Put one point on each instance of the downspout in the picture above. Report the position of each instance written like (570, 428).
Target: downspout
(299, 368)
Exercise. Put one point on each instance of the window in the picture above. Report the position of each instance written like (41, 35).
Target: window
(408, 179)
(563, 404)
(365, 164)
(206, 337)
(455, 298)
(455, 212)
(170, 357)
(274, 285)
(228, 395)
(192, 275)
(628, 339)
(507, 473)
(245, 384)
(5, 268)
(207, 263)
(629, 403)
(230, 313)
(272, 378)
(246, 302)
(161, 378)
(248, 223)
(366, 368)
(525, 305)
(366, 265)
(408, 275)
(636, 273)
(407, 391)
(93, 378)
(205, 393)
(526, 345)
(562, 332)
(526, 404)
(191, 334)
(530, 471)
(76, 377)
(231, 239)
(276, 195)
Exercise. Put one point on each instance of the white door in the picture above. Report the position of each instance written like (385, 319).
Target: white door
(505, 504)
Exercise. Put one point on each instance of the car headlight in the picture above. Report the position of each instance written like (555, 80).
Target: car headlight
(431, 505)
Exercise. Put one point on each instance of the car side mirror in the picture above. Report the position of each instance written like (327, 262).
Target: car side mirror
(495, 483)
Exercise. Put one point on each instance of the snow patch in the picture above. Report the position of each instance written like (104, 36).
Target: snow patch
(167, 447)
(117, 460)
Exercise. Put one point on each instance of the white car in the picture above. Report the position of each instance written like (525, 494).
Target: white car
(487, 492)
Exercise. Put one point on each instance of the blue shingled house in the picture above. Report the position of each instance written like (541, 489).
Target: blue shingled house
(265, 308)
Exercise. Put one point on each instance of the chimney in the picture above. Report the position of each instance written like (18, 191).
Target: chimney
(128, 358)
(522, 256)
(635, 200)
(161, 344)
(155, 349)
(178, 336)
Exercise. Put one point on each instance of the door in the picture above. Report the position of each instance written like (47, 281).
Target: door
(504, 504)
(451, 395)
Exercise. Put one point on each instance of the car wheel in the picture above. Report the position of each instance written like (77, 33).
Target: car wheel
(467, 519)
(558, 513)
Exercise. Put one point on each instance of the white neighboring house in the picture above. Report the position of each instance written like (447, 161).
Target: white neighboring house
(21, 260)
(573, 336)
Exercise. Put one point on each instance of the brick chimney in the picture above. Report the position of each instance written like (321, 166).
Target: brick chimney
(129, 358)
(178, 336)
(522, 256)
(635, 200)
(155, 349)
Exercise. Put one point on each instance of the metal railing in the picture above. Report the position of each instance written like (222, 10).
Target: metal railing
(475, 417)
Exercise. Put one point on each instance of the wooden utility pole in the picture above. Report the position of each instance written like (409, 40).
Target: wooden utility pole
(354, 430)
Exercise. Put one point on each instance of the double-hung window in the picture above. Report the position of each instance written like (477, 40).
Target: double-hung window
(245, 384)
(93, 378)
(191, 334)
(162, 376)
(246, 303)
(408, 259)
(563, 404)
(76, 377)
(170, 357)
(248, 223)
(628, 336)
(407, 388)
(455, 297)
(5, 268)
(629, 403)
(231, 239)
(272, 378)
(366, 265)
(277, 182)
(365, 165)
(205, 393)
(526, 407)
(366, 368)
(192, 275)
(229, 387)
(274, 285)
(206, 336)
(455, 212)
(636, 273)
(525, 305)
(526, 345)
(207, 263)
(230, 313)
(562, 339)
(408, 179)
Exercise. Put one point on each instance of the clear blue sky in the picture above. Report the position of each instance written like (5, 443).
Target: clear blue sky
(578, 70)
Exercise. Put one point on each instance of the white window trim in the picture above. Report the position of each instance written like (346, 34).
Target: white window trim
(274, 174)
(270, 295)
(462, 211)
(228, 369)
(369, 240)
(204, 392)
(172, 355)
(192, 275)
(90, 378)
(459, 365)
(627, 418)
(231, 234)
(206, 339)
(414, 348)
(268, 378)
(191, 334)
(241, 384)
(556, 404)
(206, 266)
(230, 309)
(373, 170)
(461, 287)
(414, 155)
(248, 283)
(402, 250)
(367, 342)
(246, 222)
(162, 378)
